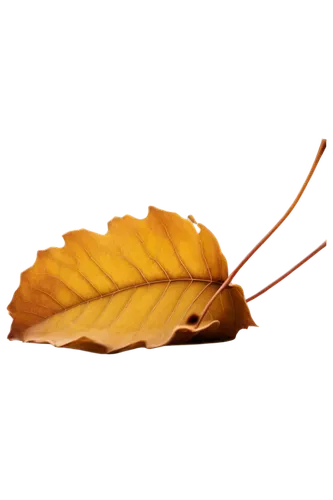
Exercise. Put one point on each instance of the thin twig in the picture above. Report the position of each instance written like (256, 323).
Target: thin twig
(265, 238)
(286, 274)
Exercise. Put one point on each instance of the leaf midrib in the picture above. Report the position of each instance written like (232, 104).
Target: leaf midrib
(131, 287)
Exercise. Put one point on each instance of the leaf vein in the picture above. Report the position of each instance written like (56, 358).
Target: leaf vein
(100, 267)
(49, 295)
(195, 299)
(72, 268)
(61, 281)
(221, 301)
(133, 265)
(176, 252)
(123, 309)
(77, 317)
(204, 258)
(105, 308)
(35, 304)
(153, 309)
(34, 314)
(151, 257)
(179, 300)
(139, 285)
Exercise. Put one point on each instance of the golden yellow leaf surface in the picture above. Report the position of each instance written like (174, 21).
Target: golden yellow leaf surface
(144, 283)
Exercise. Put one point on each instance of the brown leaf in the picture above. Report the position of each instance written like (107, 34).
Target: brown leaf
(144, 283)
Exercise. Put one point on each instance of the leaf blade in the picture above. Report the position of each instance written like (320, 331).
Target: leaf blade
(136, 285)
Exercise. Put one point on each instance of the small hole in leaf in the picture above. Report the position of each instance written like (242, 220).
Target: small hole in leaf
(193, 319)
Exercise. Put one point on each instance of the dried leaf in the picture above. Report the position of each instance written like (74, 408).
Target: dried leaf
(144, 283)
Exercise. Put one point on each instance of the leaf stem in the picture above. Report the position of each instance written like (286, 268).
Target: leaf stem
(323, 245)
(265, 238)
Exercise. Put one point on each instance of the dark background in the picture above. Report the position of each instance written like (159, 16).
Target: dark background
(74, 162)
